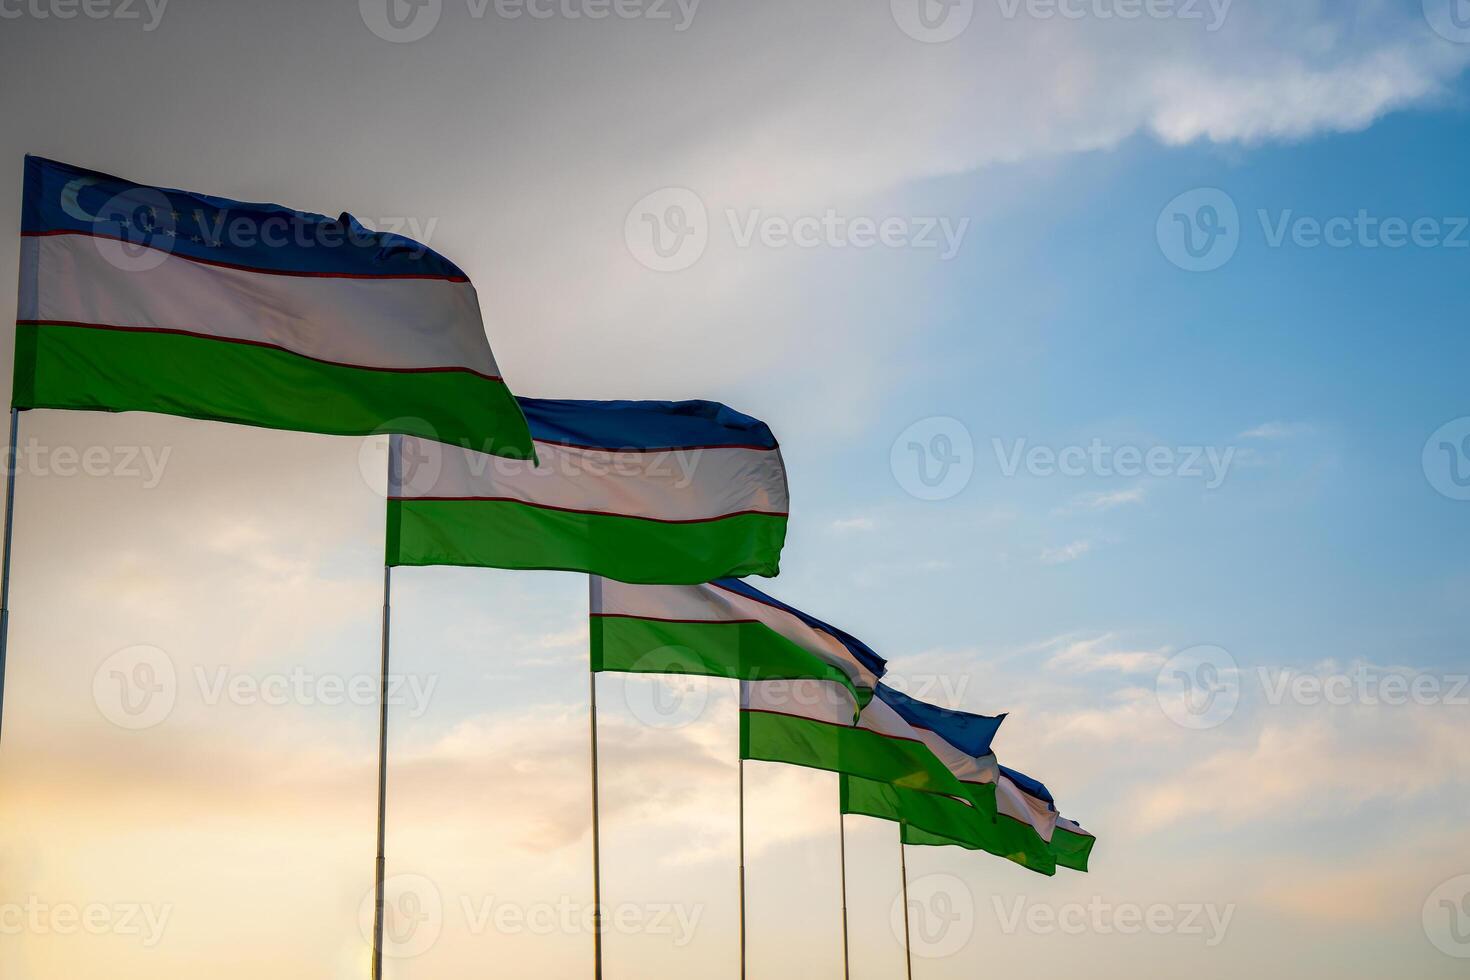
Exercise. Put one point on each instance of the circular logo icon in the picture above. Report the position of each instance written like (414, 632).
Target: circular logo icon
(1447, 917)
(400, 21)
(932, 21)
(136, 687)
(1450, 19)
(403, 466)
(941, 916)
(1446, 459)
(1199, 688)
(1199, 230)
(934, 458)
(668, 230)
(413, 916)
(134, 230)
(673, 698)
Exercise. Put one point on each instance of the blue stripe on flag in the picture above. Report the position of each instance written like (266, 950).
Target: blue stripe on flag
(1029, 786)
(263, 237)
(860, 650)
(643, 425)
(971, 734)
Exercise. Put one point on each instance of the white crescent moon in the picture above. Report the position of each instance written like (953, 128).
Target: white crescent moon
(69, 199)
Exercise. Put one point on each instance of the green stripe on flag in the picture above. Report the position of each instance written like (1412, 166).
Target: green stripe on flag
(1072, 850)
(933, 820)
(89, 368)
(512, 534)
(771, 737)
(742, 650)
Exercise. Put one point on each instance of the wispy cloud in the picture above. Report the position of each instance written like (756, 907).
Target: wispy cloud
(850, 525)
(1278, 430)
(1066, 553)
(1106, 499)
(1097, 653)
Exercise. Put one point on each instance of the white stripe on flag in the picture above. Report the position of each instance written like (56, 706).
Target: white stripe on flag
(710, 603)
(680, 485)
(369, 323)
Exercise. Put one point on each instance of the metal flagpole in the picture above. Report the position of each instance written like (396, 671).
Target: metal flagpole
(903, 870)
(381, 864)
(842, 852)
(742, 867)
(5, 560)
(596, 829)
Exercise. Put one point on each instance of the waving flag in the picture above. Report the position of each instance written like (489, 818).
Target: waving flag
(1023, 814)
(136, 298)
(723, 629)
(1072, 845)
(639, 491)
(936, 820)
(809, 723)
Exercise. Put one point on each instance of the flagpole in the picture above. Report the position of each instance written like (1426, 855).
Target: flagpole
(903, 870)
(5, 560)
(842, 853)
(380, 865)
(742, 866)
(596, 827)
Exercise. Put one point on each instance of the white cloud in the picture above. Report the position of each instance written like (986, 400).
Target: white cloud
(1278, 430)
(850, 524)
(1066, 553)
(1108, 499)
(1096, 653)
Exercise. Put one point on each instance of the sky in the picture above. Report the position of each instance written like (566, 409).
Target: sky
(1116, 350)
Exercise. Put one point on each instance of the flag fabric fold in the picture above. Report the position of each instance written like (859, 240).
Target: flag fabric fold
(137, 298)
(725, 628)
(808, 723)
(638, 491)
(935, 820)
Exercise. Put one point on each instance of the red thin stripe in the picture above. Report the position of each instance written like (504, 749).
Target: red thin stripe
(833, 724)
(659, 619)
(249, 268)
(659, 449)
(900, 738)
(252, 343)
(591, 513)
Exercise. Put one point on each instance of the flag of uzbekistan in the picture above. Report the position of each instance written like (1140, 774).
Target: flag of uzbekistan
(724, 628)
(136, 298)
(639, 491)
(809, 723)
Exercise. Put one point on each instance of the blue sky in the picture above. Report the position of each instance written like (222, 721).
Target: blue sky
(525, 149)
